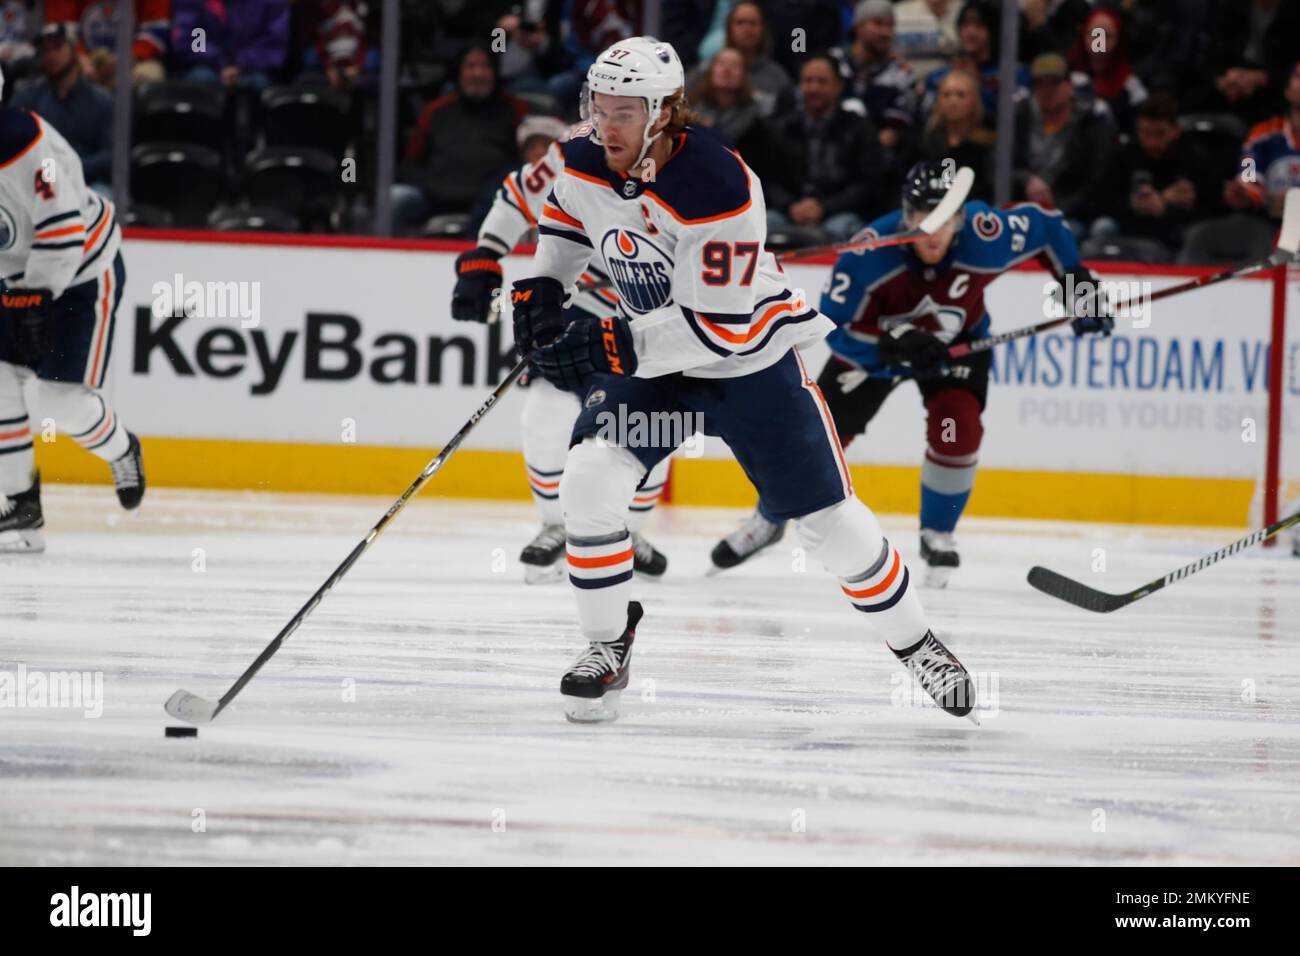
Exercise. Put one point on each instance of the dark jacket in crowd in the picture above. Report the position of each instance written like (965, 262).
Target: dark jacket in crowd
(461, 147)
(1130, 167)
(84, 117)
(1072, 161)
(837, 162)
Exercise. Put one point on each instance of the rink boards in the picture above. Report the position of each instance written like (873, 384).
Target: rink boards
(333, 365)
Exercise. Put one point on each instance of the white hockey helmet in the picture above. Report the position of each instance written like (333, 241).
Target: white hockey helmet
(638, 66)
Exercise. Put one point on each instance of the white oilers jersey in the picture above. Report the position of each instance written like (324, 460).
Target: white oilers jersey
(686, 254)
(54, 232)
(516, 210)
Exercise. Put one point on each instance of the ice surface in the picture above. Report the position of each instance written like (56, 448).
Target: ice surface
(761, 725)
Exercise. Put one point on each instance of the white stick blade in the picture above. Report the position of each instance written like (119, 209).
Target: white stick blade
(1289, 239)
(951, 202)
(190, 707)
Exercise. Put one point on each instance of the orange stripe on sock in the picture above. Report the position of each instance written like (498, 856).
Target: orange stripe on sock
(21, 433)
(605, 562)
(882, 586)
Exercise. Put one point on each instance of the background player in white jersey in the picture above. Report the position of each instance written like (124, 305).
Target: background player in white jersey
(707, 327)
(549, 412)
(62, 283)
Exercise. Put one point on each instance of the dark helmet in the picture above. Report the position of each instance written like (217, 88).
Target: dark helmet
(925, 185)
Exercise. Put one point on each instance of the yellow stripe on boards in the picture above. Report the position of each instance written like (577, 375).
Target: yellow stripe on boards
(472, 473)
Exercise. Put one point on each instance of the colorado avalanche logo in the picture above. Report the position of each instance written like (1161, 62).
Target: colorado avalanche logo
(987, 226)
(642, 272)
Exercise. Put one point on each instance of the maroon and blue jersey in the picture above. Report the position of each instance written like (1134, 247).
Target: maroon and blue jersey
(872, 290)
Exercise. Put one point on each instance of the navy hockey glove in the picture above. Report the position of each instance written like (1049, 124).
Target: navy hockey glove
(919, 351)
(538, 308)
(478, 286)
(587, 349)
(29, 314)
(1081, 294)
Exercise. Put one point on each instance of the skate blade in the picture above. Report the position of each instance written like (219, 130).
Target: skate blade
(30, 540)
(588, 710)
(544, 574)
(937, 578)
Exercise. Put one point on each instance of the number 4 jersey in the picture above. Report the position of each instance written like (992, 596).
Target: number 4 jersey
(685, 252)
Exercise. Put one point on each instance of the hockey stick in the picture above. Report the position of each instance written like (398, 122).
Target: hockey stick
(948, 207)
(199, 710)
(1090, 599)
(1288, 245)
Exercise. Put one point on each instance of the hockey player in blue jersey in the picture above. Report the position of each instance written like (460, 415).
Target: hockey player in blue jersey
(897, 310)
(707, 326)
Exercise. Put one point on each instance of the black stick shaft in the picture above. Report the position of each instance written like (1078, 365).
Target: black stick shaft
(429, 471)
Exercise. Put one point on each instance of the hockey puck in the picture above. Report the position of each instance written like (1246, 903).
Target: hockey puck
(181, 732)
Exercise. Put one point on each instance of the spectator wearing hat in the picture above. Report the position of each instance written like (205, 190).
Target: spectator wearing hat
(978, 35)
(462, 144)
(1062, 141)
(884, 83)
(335, 40)
(92, 26)
(821, 165)
(77, 108)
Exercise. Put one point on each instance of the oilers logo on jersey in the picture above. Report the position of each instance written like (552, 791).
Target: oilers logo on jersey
(641, 270)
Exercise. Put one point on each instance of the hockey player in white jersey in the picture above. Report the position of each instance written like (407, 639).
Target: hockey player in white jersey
(549, 412)
(62, 281)
(707, 326)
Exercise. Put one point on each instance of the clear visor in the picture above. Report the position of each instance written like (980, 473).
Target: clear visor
(628, 114)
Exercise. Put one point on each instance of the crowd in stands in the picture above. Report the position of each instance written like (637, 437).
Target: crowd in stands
(1165, 129)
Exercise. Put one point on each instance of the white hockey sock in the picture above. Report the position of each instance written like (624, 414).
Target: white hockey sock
(547, 421)
(848, 540)
(598, 483)
(82, 414)
(17, 455)
(647, 496)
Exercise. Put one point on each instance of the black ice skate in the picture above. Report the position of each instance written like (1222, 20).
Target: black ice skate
(21, 520)
(646, 559)
(593, 685)
(941, 675)
(128, 475)
(939, 552)
(543, 557)
(745, 542)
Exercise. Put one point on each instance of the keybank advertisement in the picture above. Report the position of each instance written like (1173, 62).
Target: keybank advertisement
(283, 343)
